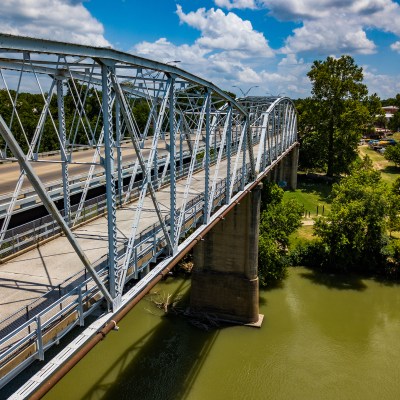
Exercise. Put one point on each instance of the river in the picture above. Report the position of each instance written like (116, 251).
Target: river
(323, 337)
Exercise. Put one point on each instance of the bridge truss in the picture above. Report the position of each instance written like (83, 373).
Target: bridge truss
(147, 126)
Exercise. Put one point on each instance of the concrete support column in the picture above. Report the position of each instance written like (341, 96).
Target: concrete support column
(225, 273)
(281, 167)
(294, 166)
(288, 169)
(275, 172)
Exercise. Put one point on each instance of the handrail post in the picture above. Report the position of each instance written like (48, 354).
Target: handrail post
(39, 338)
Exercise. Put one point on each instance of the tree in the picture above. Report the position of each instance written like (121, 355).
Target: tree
(336, 114)
(278, 220)
(394, 208)
(394, 122)
(392, 153)
(354, 233)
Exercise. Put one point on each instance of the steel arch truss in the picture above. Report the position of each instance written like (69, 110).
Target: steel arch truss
(150, 128)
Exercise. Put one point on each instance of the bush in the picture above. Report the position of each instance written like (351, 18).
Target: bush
(278, 220)
(312, 254)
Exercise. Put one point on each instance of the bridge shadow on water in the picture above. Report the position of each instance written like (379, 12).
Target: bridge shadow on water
(163, 364)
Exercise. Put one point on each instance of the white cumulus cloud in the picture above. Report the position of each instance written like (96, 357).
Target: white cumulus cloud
(335, 25)
(327, 36)
(395, 46)
(63, 20)
(385, 85)
(226, 51)
(222, 31)
(229, 4)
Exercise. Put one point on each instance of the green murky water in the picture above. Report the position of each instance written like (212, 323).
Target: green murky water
(322, 338)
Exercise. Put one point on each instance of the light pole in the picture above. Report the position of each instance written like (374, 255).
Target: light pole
(172, 62)
(247, 92)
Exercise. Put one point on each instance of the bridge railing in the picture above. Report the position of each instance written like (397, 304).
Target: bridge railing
(36, 231)
(90, 96)
(34, 328)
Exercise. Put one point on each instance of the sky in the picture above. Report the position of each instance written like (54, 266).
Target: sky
(265, 47)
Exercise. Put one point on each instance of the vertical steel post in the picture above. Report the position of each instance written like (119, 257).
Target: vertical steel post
(39, 339)
(106, 72)
(64, 158)
(275, 135)
(181, 137)
(119, 152)
(80, 307)
(172, 165)
(228, 155)
(243, 181)
(265, 142)
(279, 109)
(155, 168)
(207, 162)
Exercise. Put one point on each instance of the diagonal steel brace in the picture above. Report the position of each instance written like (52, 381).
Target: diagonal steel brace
(49, 204)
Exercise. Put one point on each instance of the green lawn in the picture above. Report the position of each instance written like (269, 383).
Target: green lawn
(303, 235)
(311, 195)
(388, 170)
(316, 194)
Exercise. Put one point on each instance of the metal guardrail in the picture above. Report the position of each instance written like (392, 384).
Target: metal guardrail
(28, 197)
(31, 233)
(34, 328)
(29, 332)
(79, 295)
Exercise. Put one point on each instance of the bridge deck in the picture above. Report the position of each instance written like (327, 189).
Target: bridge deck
(34, 273)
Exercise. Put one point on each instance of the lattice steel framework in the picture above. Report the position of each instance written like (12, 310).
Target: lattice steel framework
(108, 102)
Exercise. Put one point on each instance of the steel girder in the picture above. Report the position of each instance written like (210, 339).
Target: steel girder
(133, 117)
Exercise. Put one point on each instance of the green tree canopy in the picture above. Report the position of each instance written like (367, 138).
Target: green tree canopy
(278, 220)
(392, 153)
(354, 234)
(331, 122)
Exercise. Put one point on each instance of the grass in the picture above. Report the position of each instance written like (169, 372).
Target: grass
(302, 235)
(389, 172)
(311, 195)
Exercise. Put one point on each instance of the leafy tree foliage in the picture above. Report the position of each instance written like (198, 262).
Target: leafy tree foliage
(331, 122)
(393, 101)
(354, 235)
(30, 105)
(394, 208)
(392, 153)
(278, 220)
(394, 122)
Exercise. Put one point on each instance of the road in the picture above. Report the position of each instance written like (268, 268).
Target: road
(50, 172)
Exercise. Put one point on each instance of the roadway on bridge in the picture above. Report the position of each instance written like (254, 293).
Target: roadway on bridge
(49, 172)
(34, 273)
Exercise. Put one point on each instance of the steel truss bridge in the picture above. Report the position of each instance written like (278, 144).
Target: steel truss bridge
(172, 150)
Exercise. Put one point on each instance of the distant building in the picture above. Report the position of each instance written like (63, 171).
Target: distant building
(389, 111)
(382, 123)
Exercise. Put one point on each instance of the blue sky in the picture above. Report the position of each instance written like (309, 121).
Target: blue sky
(270, 44)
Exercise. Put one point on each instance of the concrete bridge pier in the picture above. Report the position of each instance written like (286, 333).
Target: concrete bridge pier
(225, 273)
(286, 169)
(292, 163)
